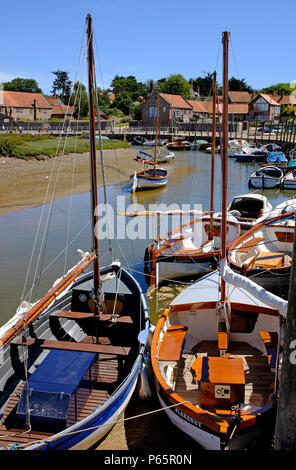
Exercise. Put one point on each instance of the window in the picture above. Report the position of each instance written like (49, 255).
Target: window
(164, 109)
(152, 111)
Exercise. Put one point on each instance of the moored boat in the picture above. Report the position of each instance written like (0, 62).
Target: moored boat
(248, 208)
(267, 177)
(210, 349)
(264, 253)
(70, 362)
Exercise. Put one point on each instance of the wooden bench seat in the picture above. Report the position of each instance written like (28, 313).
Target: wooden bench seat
(268, 260)
(71, 346)
(172, 343)
(86, 315)
(270, 340)
(250, 244)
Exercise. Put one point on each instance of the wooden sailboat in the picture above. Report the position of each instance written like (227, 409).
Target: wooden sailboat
(151, 178)
(215, 350)
(194, 247)
(264, 253)
(71, 362)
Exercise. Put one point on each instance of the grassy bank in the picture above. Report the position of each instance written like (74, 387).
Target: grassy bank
(28, 146)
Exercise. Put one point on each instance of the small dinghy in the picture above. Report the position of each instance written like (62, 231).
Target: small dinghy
(267, 177)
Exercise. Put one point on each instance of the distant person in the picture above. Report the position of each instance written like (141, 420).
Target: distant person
(20, 129)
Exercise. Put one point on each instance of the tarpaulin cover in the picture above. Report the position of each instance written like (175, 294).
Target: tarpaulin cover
(61, 371)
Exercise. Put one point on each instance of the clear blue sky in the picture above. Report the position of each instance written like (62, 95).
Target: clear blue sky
(150, 39)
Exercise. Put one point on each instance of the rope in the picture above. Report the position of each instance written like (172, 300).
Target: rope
(112, 423)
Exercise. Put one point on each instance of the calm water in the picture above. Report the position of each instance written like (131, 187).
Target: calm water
(189, 183)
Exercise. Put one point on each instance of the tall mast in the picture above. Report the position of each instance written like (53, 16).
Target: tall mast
(92, 151)
(225, 41)
(156, 134)
(213, 155)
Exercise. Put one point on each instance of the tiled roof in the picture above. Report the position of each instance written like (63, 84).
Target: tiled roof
(287, 100)
(207, 107)
(62, 109)
(237, 108)
(201, 106)
(239, 96)
(268, 99)
(175, 101)
(18, 99)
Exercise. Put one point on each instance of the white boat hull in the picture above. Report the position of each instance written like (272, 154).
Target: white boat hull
(176, 270)
(267, 183)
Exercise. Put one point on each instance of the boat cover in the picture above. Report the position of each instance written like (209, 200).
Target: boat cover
(61, 371)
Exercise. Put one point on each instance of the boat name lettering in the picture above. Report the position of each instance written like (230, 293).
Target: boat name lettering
(188, 418)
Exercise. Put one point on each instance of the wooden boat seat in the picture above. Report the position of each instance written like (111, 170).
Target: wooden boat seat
(270, 340)
(172, 343)
(87, 315)
(268, 260)
(71, 346)
(249, 244)
(221, 380)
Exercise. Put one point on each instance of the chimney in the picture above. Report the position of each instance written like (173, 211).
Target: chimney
(35, 110)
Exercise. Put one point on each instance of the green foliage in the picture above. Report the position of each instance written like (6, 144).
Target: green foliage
(128, 85)
(205, 84)
(26, 85)
(279, 89)
(124, 102)
(62, 86)
(235, 84)
(27, 146)
(175, 84)
(79, 99)
(7, 146)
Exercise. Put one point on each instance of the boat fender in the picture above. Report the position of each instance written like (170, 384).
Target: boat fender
(144, 389)
(150, 336)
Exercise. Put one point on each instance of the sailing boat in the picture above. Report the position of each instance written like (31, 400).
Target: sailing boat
(194, 247)
(150, 178)
(215, 350)
(264, 253)
(71, 361)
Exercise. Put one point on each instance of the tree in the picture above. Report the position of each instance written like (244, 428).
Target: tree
(62, 86)
(235, 84)
(124, 102)
(204, 85)
(79, 99)
(128, 85)
(175, 84)
(27, 85)
(279, 89)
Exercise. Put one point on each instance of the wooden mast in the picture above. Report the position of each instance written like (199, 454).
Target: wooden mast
(92, 151)
(225, 41)
(211, 236)
(156, 134)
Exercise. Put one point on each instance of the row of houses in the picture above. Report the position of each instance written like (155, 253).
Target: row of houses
(19, 106)
(242, 106)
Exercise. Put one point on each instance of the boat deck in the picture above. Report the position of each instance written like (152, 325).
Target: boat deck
(258, 377)
(105, 374)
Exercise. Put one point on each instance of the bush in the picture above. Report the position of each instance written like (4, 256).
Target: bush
(7, 147)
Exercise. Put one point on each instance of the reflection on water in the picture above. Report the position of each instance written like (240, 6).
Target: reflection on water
(189, 183)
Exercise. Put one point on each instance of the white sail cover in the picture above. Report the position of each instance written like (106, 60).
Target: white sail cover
(239, 289)
(257, 291)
